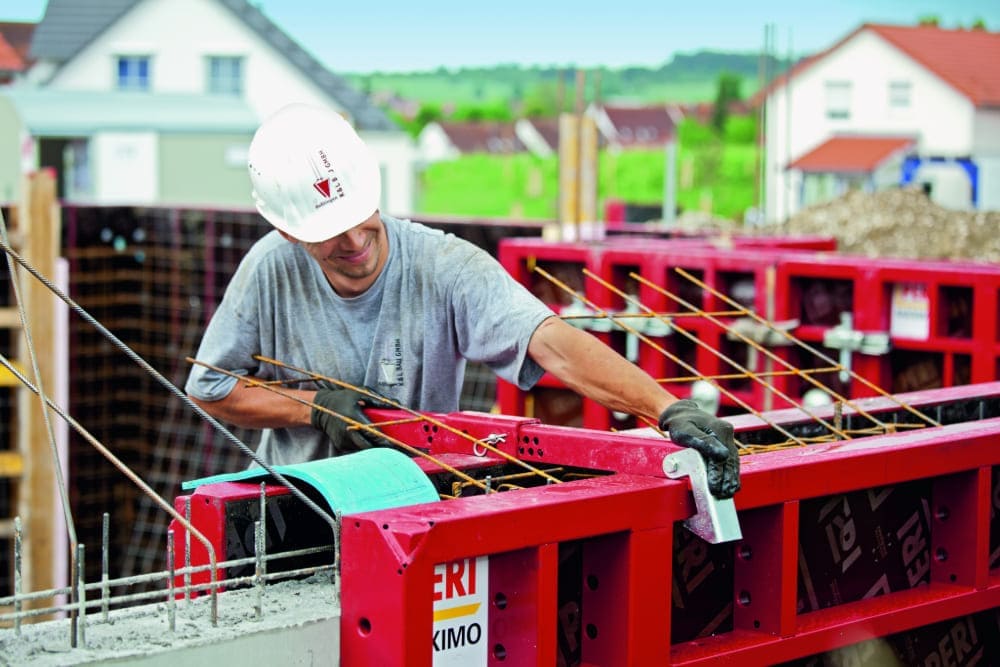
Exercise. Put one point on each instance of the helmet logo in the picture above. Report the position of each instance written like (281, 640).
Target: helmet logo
(323, 187)
(328, 185)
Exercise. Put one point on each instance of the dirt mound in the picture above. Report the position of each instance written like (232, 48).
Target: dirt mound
(900, 223)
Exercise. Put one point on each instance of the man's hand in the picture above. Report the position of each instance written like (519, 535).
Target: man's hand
(348, 403)
(689, 426)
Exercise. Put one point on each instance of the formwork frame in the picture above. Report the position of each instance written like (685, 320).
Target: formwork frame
(625, 524)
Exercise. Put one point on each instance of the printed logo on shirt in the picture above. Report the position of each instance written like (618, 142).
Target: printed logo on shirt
(391, 365)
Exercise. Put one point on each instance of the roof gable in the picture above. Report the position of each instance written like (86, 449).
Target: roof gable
(968, 60)
(964, 59)
(70, 25)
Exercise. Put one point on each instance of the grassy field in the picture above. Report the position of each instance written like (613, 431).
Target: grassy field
(716, 179)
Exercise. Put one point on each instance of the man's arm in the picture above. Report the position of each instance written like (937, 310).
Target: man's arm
(256, 407)
(591, 368)
(596, 371)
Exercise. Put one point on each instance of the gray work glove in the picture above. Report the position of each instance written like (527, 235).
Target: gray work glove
(348, 403)
(690, 426)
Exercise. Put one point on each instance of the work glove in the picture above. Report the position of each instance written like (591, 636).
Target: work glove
(348, 403)
(690, 426)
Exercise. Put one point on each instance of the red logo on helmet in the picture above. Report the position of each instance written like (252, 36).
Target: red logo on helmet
(323, 187)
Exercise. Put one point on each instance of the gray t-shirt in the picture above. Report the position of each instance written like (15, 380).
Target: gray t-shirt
(438, 302)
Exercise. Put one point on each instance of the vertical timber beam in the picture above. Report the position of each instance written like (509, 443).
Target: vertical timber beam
(40, 233)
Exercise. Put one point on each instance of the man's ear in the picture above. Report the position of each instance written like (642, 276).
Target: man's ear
(288, 237)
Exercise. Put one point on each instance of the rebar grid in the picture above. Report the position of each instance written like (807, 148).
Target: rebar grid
(81, 601)
(834, 430)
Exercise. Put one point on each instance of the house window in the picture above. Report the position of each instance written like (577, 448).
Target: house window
(838, 100)
(133, 72)
(225, 75)
(899, 94)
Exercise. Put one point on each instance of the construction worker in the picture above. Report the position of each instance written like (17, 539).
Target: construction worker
(346, 291)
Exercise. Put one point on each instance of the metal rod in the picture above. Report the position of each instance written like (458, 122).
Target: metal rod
(768, 353)
(809, 348)
(81, 597)
(732, 362)
(17, 575)
(740, 376)
(680, 362)
(30, 345)
(171, 597)
(395, 404)
(128, 472)
(105, 539)
(142, 363)
(187, 551)
(258, 547)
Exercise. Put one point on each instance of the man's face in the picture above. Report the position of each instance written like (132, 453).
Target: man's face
(352, 260)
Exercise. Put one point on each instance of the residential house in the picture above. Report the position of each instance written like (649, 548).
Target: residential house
(154, 102)
(539, 135)
(635, 127)
(887, 106)
(447, 140)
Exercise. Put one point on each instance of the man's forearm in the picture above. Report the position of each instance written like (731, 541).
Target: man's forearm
(592, 369)
(256, 407)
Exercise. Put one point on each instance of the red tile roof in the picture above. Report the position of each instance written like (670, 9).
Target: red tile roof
(641, 126)
(482, 137)
(851, 154)
(964, 59)
(969, 60)
(10, 61)
(18, 35)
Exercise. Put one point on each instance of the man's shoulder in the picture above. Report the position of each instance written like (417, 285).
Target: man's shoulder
(421, 237)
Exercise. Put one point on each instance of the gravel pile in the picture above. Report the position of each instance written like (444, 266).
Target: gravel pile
(900, 223)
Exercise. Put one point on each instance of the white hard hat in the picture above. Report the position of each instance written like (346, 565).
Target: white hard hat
(313, 178)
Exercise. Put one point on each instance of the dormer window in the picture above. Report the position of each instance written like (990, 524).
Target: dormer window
(133, 73)
(225, 75)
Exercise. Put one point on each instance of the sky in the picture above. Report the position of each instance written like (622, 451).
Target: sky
(404, 35)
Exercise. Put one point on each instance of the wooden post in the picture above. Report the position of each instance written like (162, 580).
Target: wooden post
(39, 230)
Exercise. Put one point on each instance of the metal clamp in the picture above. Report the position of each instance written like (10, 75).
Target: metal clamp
(715, 520)
(493, 439)
(847, 339)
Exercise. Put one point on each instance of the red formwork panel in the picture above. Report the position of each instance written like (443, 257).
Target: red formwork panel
(940, 317)
(566, 262)
(744, 276)
(742, 272)
(842, 541)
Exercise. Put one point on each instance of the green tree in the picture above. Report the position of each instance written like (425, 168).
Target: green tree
(727, 92)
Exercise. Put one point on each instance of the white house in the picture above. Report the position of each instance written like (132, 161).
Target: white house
(171, 92)
(887, 106)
